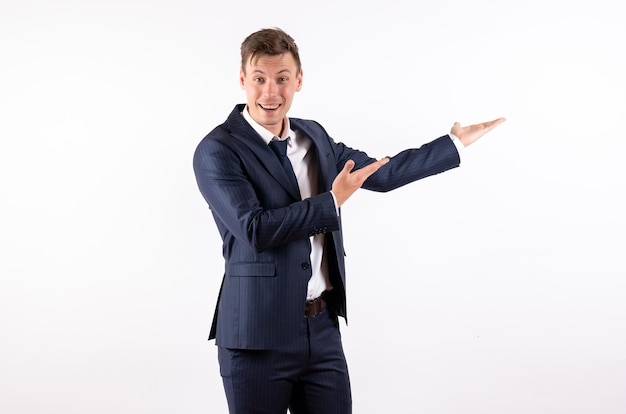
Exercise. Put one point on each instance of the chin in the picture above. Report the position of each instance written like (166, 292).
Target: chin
(272, 119)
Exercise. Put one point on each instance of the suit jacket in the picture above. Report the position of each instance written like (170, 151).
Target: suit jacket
(265, 227)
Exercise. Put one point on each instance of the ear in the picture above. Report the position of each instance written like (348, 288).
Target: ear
(242, 78)
(299, 81)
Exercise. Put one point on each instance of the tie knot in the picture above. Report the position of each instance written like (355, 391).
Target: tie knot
(279, 147)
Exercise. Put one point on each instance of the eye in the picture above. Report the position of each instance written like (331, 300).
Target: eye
(283, 80)
(259, 80)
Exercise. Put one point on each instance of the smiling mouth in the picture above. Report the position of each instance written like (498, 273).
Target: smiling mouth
(269, 107)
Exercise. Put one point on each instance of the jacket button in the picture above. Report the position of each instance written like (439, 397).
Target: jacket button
(305, 266)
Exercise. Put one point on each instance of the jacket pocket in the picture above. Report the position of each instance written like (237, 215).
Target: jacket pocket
(251, 269)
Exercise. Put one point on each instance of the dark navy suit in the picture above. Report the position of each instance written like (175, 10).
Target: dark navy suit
(265, 227)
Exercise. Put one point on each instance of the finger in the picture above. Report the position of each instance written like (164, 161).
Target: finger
(373, 167)
(492, 124)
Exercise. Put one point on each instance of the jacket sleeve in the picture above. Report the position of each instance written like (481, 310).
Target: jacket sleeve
(246, 201)
(405, 167)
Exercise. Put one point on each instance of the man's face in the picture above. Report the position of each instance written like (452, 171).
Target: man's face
(270, 83)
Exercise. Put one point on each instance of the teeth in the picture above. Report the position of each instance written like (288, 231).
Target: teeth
(269, 106)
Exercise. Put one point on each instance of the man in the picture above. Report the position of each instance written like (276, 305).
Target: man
(276, 322)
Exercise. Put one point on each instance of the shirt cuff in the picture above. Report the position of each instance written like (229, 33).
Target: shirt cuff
(457, 142)
(335, 201)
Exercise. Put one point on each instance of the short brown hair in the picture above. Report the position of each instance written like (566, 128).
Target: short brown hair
(270, 42)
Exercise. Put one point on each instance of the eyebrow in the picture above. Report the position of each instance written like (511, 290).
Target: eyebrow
(279, 72)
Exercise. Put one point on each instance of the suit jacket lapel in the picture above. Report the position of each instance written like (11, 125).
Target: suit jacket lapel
(323, 152)
(242, 131)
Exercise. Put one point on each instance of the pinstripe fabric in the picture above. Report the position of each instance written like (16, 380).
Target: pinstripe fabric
(309, 375)
(265, 228)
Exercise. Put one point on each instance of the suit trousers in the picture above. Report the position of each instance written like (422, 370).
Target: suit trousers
(309, 375)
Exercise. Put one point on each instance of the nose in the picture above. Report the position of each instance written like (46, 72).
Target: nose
(270, 88)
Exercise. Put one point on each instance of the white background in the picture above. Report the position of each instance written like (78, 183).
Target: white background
(497, 287)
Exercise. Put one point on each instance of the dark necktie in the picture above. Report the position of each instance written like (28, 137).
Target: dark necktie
(280, 149)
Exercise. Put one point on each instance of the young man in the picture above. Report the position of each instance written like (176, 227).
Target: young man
(283, 289)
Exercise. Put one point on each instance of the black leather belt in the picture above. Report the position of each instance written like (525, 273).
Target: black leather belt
(314, 307)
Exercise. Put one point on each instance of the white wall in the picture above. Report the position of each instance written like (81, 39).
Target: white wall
(497, 287)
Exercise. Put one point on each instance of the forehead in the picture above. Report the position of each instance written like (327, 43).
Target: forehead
(272, 64)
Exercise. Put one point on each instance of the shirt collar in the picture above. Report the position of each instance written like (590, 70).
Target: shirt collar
(264, 133)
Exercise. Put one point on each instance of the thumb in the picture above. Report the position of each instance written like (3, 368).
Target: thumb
(348, 166)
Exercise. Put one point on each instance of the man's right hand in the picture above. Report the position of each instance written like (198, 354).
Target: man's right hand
(348, 181)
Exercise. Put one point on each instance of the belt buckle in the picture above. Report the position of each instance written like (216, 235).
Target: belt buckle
(314, 307)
